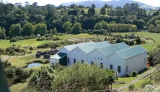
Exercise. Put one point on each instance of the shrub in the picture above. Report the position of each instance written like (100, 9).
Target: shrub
(56, 38)
(131, 87)
(13, 39)
(134, 73)
(146, 83)
(128, 75)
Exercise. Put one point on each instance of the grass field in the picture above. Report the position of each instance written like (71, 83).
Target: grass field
(34, 43)
(29, 42)
(149, 46)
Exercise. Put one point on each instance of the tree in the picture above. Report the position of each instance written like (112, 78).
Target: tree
(54, 31)
(91, 11)
(133, 28)
(101, 25)
(67, 26)
(10, 73)
(82, 12)
(19, 74)
(157, 22)
(76, 28)
(106, 5)
(28, 29)
(41, 79)
(15, 30)
(93, 6)
(103, 11)
(40, 28)
(151, 28)
(158, 28)
(2, 33)
(85, 77)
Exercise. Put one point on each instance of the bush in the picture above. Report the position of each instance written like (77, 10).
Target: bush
(146, 83)
(134, 73)
(39, 39)
(128, 75)
(56, 38)
(13, 39)
(131, 87)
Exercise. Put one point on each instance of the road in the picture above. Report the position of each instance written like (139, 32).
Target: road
(137, 79)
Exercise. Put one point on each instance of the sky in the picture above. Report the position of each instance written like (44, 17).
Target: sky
(58, 2)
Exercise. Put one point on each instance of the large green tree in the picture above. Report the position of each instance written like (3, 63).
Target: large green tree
(28, 29)
(15, 30)
(151, 28)
(158, 28)
(76, 28)
(103, 11)
(67, 26)
(86, 78)
(101, 25)
(2, 33)
(41, 29)
(41, 79)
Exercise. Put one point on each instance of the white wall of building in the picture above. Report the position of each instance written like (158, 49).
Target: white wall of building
(116, 61)
(78, 55)
(136, 63)
(97, 57)
(53, 61)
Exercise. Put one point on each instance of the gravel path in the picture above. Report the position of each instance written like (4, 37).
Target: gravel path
(137, 79)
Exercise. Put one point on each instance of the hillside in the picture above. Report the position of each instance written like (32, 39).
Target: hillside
(115, 3)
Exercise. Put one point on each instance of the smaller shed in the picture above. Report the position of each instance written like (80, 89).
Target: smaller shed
(60, 58)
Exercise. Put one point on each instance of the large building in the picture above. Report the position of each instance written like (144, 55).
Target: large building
(119, 57)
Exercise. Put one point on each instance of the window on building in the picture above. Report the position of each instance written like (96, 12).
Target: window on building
(111, 66)
(145, 61)
(119, 69)
(68, 60)
(101, 64)
(92, 62)
(126, 68)
(82, 61)
(74, 60)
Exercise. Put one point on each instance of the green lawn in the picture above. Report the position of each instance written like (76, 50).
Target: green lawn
(70, 36)
(29, 42)
(34, 43)
(123, 79)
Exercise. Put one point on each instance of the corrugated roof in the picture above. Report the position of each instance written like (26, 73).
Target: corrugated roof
(108, 50)
(130, 52)
(90, 47)
(71, 47)
(58, 55)
(122, 45)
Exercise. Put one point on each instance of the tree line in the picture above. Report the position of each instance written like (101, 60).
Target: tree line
(45, 19)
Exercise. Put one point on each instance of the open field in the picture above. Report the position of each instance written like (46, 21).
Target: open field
(21, 61)
(34, 43)
(149, 46)
(29, 42)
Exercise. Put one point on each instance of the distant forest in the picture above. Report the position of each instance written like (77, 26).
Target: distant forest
(18, 20)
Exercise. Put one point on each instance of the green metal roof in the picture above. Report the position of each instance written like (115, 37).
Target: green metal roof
(108, 50)
(71, 47)
(90, 47)
(58, 55)
(130, 52)
(122, 45)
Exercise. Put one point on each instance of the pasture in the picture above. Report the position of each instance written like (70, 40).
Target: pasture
(23, 60)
